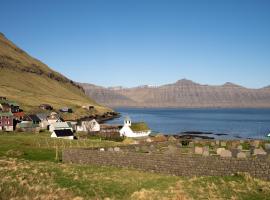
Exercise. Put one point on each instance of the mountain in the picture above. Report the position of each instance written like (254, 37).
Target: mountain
(30, 82)
(183, 94)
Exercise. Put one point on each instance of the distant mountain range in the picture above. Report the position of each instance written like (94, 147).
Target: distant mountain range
(181, 94)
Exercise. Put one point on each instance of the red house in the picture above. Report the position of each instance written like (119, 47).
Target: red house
(6, 121)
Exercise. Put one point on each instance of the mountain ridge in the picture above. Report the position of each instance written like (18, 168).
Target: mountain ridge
(185, 93)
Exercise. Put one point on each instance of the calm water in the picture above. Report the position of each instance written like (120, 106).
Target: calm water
(244, 123)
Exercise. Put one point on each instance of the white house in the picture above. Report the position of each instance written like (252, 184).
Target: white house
(44, 124)
(53, 118)
(89, 126)
(64, 133)
(60, 126)
(134, 130)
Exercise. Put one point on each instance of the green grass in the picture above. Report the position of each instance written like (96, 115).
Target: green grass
(41, 147)
(28, 171)
(139, 126)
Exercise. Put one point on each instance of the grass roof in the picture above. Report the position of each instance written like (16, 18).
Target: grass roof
(140, 126)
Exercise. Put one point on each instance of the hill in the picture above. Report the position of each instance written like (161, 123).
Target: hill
(184, 94)
(30, 82)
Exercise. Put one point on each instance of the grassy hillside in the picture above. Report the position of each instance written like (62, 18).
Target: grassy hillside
(31, 83)
(28, 171)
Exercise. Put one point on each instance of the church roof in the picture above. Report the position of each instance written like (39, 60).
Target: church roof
(140, 126)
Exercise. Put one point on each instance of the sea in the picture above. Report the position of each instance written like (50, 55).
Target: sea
(217, 123)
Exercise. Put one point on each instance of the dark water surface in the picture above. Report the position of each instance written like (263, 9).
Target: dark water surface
(235, 123)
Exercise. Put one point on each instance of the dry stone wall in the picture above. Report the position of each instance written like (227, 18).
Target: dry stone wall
(172, 163)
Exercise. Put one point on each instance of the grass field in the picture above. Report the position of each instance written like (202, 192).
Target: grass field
(28, 170)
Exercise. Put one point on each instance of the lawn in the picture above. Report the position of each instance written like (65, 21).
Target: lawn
(28, 170)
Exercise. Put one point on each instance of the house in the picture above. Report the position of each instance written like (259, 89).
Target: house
(88, 107)
(6, 121)
(44, 124)
(9, 106)
(28, 126)
(134, 129)
(3, 98)
(64, 133)
(53, 118)
(66, 110)
(73, 124)
(60, 126)
(5, 107)
(34, 119)
(46, 107)
(88, 126)
(19, 116)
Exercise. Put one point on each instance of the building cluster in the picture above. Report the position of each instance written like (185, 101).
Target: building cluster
(13, 118)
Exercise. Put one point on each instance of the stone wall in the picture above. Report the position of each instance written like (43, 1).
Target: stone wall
(171, 163)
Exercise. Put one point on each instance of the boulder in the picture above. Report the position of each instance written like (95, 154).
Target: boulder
(101, 149)
(191, 144)
(206, 153)
(198, 150)
(171, 139)
(259, 152)
(226, 154)
(219, 150)
(110, 149)
(240, 147)
(241, 155)
(267, 146)
(159, 138)
(116, 149)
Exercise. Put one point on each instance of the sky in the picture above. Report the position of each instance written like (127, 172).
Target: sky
(138, 42)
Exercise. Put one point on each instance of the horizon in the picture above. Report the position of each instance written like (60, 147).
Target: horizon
(129, 44)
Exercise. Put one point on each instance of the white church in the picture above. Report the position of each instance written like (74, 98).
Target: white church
(134, 130)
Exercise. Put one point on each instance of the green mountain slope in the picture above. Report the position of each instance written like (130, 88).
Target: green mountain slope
(31, 83)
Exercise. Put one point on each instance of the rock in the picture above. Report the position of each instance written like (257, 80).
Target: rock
(191, 144)
(213, 144)
(160, 138)
(149, 140)
(116, 149)
(235, 144)
(267, 146)
(219, 150)
(171, 139)
(110, 149)
(206, 153)
(235, 152)
(259, 152)
(198, 150)
(217, 142)
(206, 148)
(241, 155)
(255, 143)
(101, 149)
(226, 154)
(223, 144)
(171, 149)
(240, 147)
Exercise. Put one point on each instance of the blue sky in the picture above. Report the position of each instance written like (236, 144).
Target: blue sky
(135, 42)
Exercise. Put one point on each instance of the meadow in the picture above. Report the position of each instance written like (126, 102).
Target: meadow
(31, 168)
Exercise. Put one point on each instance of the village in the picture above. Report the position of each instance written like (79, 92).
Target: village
(13, 118)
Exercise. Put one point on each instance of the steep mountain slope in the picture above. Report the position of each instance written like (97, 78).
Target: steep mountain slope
(185, 93)
(31, 83)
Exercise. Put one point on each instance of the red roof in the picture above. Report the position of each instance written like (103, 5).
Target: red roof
(18, 114)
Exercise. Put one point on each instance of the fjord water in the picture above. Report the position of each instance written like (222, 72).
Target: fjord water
(235, 123)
